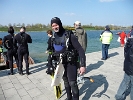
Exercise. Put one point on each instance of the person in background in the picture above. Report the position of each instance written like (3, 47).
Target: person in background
(106, 37)
(11, 49)
(1, 48)
(122, 36)
(22, 39)
(59, 44)
(127, 82)
(80, 33)
(50, 51)
(130, 33)
(50, 34)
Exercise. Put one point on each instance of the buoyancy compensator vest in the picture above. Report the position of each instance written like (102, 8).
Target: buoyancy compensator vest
(60, 42)
(63, 45)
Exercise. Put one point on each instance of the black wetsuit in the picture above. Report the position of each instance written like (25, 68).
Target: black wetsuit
(70, 74)
(11, 50)
(23, 50)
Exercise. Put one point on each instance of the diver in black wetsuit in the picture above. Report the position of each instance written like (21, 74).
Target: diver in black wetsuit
(60, 47)
(22, 39)
(11, 49)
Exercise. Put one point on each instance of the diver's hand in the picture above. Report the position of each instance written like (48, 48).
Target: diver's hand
(46, 51)
(82, 70)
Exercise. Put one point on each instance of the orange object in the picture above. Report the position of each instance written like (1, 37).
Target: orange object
(14, 65)
(91, 80)
(0, 42)
(122, 37)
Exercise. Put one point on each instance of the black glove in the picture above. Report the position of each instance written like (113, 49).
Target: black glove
(50, 70)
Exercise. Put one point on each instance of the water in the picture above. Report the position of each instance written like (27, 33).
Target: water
(38, 47)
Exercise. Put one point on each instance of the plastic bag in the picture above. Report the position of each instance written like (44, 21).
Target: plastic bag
(118, 40)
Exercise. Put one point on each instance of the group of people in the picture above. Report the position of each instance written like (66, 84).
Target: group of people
(123, 37)
(76, 43)
(72, 45)
(127, 82)
(17, 47)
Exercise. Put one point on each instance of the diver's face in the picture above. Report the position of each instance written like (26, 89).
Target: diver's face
(22, 30)
(55, 27)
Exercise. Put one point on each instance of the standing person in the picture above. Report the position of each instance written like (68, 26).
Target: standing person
(127, 82)
(11, 49)
(1, 48)
(50, 51)
(106, 37)
(80, 33)
(22, 39)
(61, 47)
(122, 36)
(130, 33)
(50, 34)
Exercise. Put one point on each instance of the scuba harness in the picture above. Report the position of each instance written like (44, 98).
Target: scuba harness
(22, 35)
(70, 54)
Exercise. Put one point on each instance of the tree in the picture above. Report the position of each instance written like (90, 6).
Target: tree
(9, 24)
(14, 25)
(23, 24)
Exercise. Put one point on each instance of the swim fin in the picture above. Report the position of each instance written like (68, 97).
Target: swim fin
(57, 89)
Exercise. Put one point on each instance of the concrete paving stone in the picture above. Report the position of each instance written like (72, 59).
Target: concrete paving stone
(34, 80)
(40, 77)
(15, 81)
(2, 97)
(40, 86)
(10, 92)
(18, 86)
(26, 97)
(36, 75)
(1, 91)
(85, 95)
(111, 93)
(7, 86)
(4, 81)
(92, 87)
(30, 77)
(14, 97)
(29, 86)
(111, 81)
(34, 92)
(24, 81)
(100, 94)
(20, 77)
(48, 93)
(114, 86)
(22, 92)
(12, 77)
(41, 97)
(47, 83)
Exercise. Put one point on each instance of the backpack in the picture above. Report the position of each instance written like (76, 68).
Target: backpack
(65, 40)
(22, 39)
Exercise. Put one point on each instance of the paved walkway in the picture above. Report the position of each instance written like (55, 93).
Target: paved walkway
(107, 76)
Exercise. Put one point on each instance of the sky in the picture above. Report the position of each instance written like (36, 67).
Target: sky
(97, 12)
